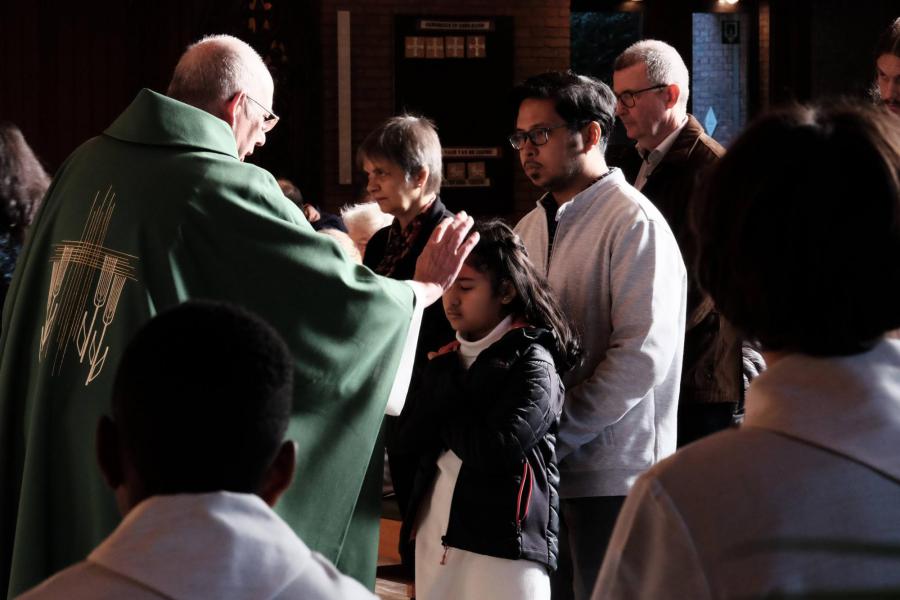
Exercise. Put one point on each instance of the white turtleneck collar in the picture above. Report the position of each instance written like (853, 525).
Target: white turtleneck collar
(469, 351)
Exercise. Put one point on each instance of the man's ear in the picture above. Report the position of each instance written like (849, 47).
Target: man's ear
(592, 135)
(109, 455)
(280, 474)
(673, 93)
(231, 108)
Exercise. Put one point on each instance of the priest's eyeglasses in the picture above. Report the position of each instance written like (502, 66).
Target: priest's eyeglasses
(270, 119)
(627, 97)
(538, 136)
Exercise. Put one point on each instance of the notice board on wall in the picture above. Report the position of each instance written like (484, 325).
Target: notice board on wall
(458, 71)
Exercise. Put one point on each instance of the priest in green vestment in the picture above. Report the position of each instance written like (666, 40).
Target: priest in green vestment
(157, 210)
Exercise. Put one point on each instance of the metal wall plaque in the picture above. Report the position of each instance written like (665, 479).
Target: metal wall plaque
(458, 72)
(731, 32)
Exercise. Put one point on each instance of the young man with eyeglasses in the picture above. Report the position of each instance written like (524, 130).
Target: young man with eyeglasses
(613, 262)
(671, 154)
(161, 209)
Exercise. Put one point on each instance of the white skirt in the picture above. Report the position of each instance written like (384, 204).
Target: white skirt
(453, 574)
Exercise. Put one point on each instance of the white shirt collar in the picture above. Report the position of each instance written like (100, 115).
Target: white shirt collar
(469, 351)
(849, 404)
(655, 157)
(613, 174)
(214, 545)
(657, 154)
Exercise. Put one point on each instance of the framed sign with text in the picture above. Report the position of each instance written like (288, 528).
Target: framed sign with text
(458, 71)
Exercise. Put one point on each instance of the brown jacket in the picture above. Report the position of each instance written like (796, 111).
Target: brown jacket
(670, 187)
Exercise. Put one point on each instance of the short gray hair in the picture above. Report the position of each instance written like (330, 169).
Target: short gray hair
(215, 69)
(409, 141)
(664, 65)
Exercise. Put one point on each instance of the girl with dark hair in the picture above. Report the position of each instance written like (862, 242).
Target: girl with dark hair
(484, 508)
(23, 183)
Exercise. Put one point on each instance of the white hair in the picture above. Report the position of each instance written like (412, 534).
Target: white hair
(344, 241)
(664, 66)
(216, 68)
(365, 216)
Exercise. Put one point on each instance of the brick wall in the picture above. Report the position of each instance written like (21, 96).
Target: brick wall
(541, 43)
(719, 74)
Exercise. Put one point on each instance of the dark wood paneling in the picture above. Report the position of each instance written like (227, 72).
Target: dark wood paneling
(824, 48)
(68, 69)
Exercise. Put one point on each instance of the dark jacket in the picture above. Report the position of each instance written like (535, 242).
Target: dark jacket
(670, 187)
(435, 332)
(329, 221)
(9, 254)
(672, 182)
(501, 418)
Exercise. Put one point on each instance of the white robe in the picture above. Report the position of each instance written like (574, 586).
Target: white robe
(801, 501)
(444, 573)
(220, 545)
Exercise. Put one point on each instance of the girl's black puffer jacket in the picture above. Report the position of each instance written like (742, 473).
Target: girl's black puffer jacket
(501, 418)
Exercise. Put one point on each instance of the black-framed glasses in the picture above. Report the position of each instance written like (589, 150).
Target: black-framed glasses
(270, 119)
(538, 136)
(627, 97)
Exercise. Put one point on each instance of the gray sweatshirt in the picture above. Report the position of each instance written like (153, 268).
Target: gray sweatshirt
(618, 273)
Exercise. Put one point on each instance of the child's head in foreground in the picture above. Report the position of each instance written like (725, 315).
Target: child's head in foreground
(201, 404)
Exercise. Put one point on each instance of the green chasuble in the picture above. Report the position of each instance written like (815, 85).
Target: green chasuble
(156, 211)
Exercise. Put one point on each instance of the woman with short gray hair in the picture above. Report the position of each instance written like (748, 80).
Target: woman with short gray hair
(402, 161)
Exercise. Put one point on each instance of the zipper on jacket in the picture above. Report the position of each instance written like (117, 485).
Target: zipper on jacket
(551, 239)
(551, 229)
(527, 479)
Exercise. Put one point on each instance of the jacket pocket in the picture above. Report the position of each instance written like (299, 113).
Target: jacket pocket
(523, 498)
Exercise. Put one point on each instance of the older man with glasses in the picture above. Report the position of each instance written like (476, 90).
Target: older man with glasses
(161, 209)
(614, 264)
(671, 154)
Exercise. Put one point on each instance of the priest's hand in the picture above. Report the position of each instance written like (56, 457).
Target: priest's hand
(443, 256)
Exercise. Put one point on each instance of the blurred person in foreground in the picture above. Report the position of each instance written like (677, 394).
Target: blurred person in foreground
(804, 499)
(194, 450)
